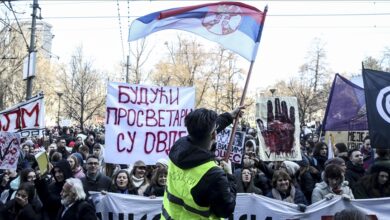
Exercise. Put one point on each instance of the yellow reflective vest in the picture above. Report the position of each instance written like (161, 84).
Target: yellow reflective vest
(178, 202)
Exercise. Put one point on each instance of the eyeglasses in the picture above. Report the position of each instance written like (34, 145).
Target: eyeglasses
(93, 163)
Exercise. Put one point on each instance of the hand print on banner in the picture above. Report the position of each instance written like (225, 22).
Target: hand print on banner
(278, 128)
(9, 150)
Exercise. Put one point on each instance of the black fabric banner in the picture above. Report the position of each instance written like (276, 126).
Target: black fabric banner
(377, 92)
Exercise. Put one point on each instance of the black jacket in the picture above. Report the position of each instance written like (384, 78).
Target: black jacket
(12, 210)
(215, 189)
(353, 174)
(49, 192)
(80, 210)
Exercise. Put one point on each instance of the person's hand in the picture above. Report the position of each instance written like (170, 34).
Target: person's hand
(279, 132)
(301, 207)
(22, 201)
(5, 180)
(226, 166)
(346, 197)
(103, 192)
(329, 196)
(152, 197)
(238, 111)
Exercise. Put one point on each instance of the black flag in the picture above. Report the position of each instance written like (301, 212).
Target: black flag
(377, 92)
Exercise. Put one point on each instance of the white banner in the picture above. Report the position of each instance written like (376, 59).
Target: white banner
(9, 150)
(114, 206)
(277, 120)
(143, 122)
(237, 149)
(26, 118)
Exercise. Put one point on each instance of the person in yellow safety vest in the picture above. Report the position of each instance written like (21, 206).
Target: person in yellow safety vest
(196, 187)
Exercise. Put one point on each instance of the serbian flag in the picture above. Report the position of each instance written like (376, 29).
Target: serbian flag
(234, 25)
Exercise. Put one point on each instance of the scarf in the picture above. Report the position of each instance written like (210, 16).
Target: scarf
(137, 181)
(290, 199)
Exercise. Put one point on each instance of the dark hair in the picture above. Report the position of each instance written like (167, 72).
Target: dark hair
(350, 214)
(92, 156)
(351, 151)
(278, 174)
(317, 148)
(336, 160)
(56, 156)
(366, 137)
(333, 171)
(341, 147)
(200, 123)
(24, 173)
(30, 190)
(156, 174)
(382, 153)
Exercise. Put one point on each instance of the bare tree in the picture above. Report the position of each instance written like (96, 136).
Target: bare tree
(139, 55)
(83, 89)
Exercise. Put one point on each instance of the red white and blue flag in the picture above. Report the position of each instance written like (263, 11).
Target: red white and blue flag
(234, 25)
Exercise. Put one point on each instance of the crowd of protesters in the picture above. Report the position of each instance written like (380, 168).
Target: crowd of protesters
(77, 166)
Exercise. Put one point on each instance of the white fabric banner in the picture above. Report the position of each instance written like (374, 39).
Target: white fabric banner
(26, 118)
(143, 122)
(237, 148)
(115, 206)
(9, 150)
(277, 120)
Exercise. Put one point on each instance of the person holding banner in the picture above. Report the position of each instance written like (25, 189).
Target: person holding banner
(196, 187)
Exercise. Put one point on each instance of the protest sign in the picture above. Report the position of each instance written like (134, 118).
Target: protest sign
(9, 150)
(278, 128)
(353, 139)
(42, 161)
(143, 122)
(26, 118)
(238, 145)
(114, 206)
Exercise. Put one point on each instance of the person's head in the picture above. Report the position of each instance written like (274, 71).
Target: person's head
(27, 175)
(159, 177)
(382, 173)
(139, 169)
(122, 180)
(246, 175)
(201, 126)
(320, 149)
(250, 146)
(55, 157)
(367, 143)
(338, 161)
(356, 157)
(93, 165)
(162, 163)
(350, 214)
(26, 191)
(334, 176)
(84, 150)
(383, 153)
(281, 181)
(73, 162)
(26, 149)
(72, 191)
(61, 143)
(289, 167)
(51, 147)
(97, 149)
(90, 139)
(61, 171)
(79, 140)
(340, 148)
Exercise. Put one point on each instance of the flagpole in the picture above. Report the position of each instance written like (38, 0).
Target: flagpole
(232, 134)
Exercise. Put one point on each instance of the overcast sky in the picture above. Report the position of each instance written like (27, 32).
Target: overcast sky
(351, 31)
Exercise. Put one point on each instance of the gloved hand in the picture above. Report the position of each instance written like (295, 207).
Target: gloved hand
(302, 207)
(329, 196)
(346, 197)
(226, 166)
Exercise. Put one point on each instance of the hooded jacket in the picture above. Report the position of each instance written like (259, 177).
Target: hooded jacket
(49, 192)
(322, 189)
(216, 189)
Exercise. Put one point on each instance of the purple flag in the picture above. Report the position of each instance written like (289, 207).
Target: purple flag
(346, 109)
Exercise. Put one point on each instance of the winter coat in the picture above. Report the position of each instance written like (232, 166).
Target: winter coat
(102, 182)
(13, 211)
(154, 190)
(80, 210)
(322, 189)
(215, 189)
(367, 187)
(353, 173)
(49, 192)
(295, 196)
